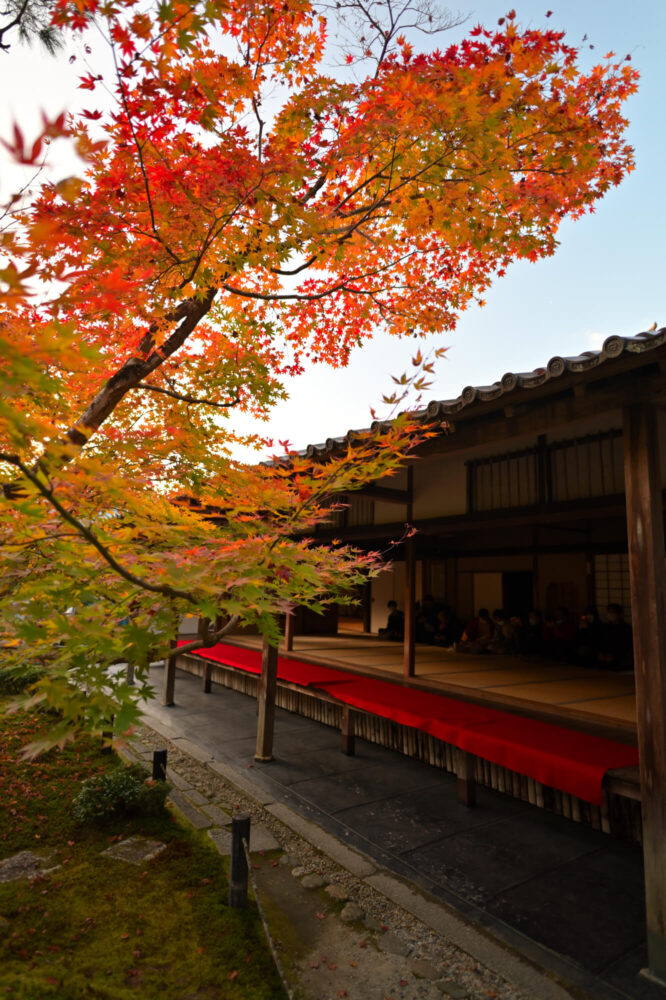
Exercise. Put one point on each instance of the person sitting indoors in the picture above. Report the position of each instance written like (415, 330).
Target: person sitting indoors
(426, 620)
(477, 638)
(589, 637)
(503, 632)
(616, 645)
(530, 639)
(559, 636)
(471, 630)
(395, 624)
(448, 629)
(517, 623)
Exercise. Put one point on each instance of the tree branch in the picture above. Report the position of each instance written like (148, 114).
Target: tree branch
(81, 528)
(210, 637)
(136, 369)
(186, 398)
(12, 24)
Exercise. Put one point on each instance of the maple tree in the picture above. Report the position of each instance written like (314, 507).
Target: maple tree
(246, 210)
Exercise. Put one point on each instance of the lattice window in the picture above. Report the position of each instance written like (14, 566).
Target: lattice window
(611, 579)
(509, 480)
(572, 469)
(361, 511)
(590, 466)
(336, 519)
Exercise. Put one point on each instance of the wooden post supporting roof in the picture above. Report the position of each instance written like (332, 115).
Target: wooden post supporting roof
(266, 702)
(367, 606)
(169, 676)
(289, 623)
(647, 566)
(410, 582)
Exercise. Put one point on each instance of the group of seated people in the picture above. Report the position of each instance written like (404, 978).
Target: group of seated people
(590, 641)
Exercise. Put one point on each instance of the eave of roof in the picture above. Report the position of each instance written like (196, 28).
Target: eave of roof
(613, 349)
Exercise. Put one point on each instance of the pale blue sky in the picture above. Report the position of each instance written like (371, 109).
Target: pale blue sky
(607, 276)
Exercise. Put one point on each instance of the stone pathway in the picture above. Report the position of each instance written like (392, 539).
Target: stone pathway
(339, 936)
(135, 850)
(25, 864)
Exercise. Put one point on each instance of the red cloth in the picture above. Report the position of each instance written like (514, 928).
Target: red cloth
(294, 671)
(565, 759)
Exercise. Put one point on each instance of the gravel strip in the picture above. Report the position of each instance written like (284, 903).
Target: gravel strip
(460, 974)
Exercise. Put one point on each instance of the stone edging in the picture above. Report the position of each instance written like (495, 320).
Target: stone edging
(429, 934)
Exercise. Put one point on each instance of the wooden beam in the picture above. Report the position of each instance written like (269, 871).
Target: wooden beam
(647, 566)
(367, 606)
(544, 486)
(266, 702)
(169, 676)
(544, 410)
(384, 493)
(552, 515)
(289, 623)
(410, 581)
(410, 611)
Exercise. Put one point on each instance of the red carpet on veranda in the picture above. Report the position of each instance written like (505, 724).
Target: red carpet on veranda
(570, 761)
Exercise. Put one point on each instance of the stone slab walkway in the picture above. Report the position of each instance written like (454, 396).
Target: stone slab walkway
(504, 877)
(337, 936)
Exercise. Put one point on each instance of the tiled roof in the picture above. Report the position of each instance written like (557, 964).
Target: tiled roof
(613, 347)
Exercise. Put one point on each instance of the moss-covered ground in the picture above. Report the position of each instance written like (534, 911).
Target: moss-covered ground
(96, 927)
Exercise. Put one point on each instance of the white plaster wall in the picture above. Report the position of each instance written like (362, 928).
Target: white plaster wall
(389, 513)
(398, 481)
(494, 564)
(390, 586)
(487, 591)
(440, 486)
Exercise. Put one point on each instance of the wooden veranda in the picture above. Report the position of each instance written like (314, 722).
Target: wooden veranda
(592, 700)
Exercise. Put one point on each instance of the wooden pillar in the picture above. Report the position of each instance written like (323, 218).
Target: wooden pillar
(590, 580)
(367, 606)
(536, 583)
(645, 530)
(410, 582)
(289, 622)
(544, 471)
(427, 583)
(169, 676)
(466, 784)
(408, 658)
(266, 702)
(347, 731)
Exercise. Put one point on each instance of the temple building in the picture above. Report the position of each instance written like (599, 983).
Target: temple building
(544, 490)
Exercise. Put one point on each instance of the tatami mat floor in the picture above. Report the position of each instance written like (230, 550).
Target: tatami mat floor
(604, 696)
